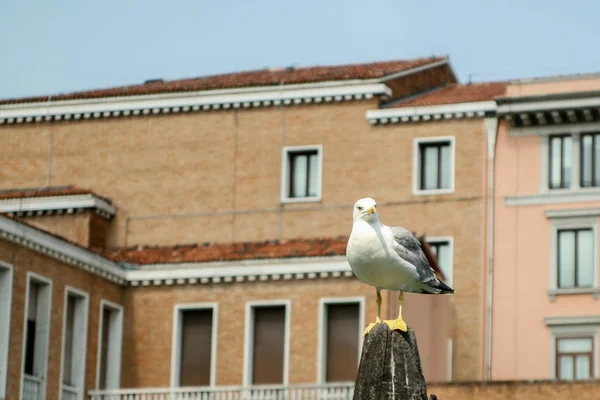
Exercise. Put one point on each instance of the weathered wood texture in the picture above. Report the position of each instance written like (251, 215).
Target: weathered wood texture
(390, 367)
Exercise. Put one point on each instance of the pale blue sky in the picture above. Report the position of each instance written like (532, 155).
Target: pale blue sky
(57, 46)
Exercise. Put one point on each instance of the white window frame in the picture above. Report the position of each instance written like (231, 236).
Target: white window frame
(322, 332)
(416, 175)
(176, 340)
(114, 356)
(450, 240)
(564, 221)
(80, 344)
(285, 174)
(573, 327)
(6, 287)
(249, 338)
(36, 278)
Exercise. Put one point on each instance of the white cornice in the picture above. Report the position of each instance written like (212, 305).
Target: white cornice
(583, 320)
(570, 196)
(265, 96)
(62, 250)
(31, 206)
(430, 113)
(173, 273)
(542, 105)
(194, 273)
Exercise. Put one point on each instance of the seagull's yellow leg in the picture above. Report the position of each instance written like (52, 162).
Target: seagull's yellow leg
(398, 324)
(378, 320)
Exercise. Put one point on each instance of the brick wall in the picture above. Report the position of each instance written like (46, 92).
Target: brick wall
(518, 390)
(62, 275)
(421, 82)
(75, 227)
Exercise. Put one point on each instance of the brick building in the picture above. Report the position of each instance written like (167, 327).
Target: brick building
(206, 220)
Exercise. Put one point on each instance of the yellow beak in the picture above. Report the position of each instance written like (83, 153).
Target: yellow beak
(371, 210)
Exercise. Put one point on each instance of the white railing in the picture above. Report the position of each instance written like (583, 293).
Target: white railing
(32, 387)
(295, 392)
(69, 392)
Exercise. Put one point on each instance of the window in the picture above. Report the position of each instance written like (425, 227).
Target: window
(590, 160)
(36, 337)
(301, 174)
(196, 338)
(575, 258)
(442, 250)
(6, 283)
(341, 324)
(74, 343)
(267, 344)
(194, 345)
(574, 358)
(434, 165)
(109, 345)
(560, 159)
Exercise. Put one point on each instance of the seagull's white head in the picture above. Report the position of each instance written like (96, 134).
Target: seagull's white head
(366, 210)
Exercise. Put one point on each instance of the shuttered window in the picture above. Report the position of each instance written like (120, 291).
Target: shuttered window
(342, 335)
(196, 347)
(268, 345)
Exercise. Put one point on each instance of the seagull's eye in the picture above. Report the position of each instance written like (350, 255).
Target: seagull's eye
(359, 208)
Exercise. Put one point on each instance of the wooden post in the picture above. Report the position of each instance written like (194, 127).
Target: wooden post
(390, 367)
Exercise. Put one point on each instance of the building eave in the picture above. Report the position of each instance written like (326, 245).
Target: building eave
(59, 249)
(53, 205)
(431, 113)
(224, 99)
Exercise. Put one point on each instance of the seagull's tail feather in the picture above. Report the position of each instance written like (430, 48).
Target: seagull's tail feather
(435, 286)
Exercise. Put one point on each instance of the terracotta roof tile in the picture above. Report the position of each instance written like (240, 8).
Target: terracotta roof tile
(231, 251)
(22, 193)
(454, 93)
(263, 77)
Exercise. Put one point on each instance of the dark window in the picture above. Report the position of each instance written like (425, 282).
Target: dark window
(590, 160)
(574, 360)
(104, 343)
(69, 341)
(342, 342)
(268, 345)
(434, 164)
(30, 334)
(196, 347)
(304, 171)
(560, 162)
(575, 258)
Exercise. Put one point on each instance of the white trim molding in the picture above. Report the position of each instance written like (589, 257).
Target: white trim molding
(6, 288)
(273, 270)
(416, 165)
(547, 130)
(176, 340)
(115, 344)
(50, 205)
(322, 332)
(42, 334)
(285, 173)
(249, 338)
(220, 99)
(61, 250)
(80, 325)
(564, 222)
(573, 327)
(395, 115)
(554, 197)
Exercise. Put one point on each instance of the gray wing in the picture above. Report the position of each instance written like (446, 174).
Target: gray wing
(409, 249)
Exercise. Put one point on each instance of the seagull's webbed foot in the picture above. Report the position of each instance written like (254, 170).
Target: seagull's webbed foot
(396, 324)
(371, 326)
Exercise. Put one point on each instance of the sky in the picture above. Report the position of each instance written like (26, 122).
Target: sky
(60, 46)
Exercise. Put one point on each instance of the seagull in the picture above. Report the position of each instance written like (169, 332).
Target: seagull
(389, 258)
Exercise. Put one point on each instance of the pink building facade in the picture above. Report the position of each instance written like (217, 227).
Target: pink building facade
(543, 305)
